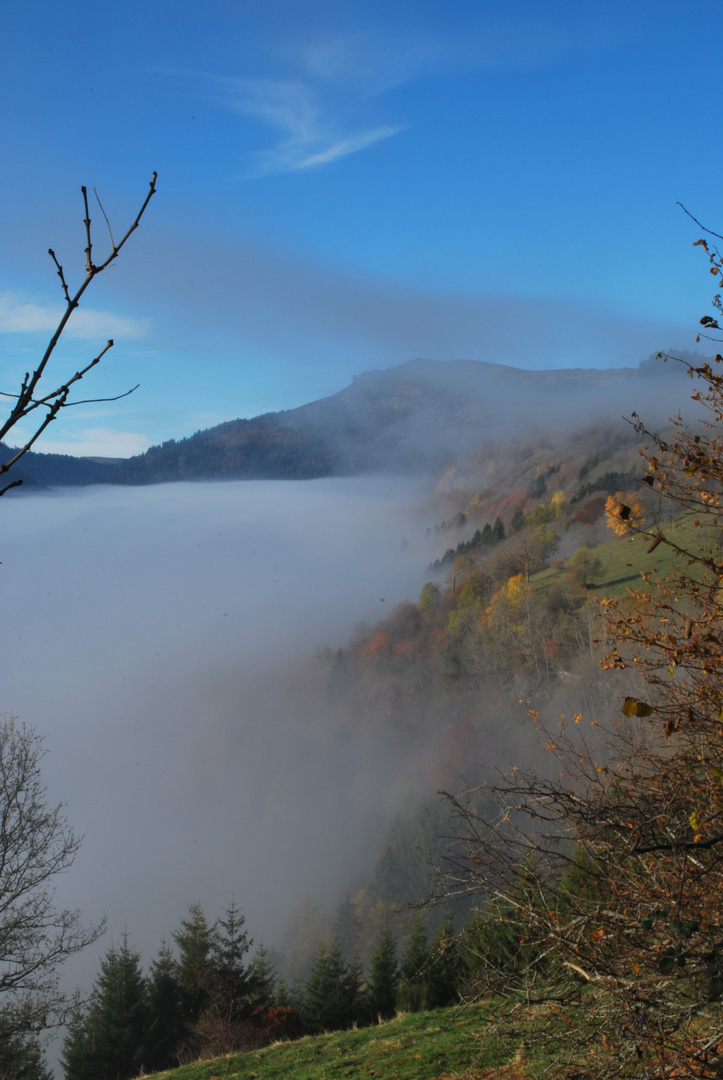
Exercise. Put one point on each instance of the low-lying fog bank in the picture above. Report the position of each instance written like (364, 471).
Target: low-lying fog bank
(147, 633)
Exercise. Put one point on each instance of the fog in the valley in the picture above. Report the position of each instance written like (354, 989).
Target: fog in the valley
(156, 637)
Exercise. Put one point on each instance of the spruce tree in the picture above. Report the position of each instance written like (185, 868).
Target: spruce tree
(77, 1053)
(383, 977)
(107, 1042)
(355, 992)
(21, 1058)
(413, 990)
(262, 979)
(328, 1003)
(165, 1015)
(445, 964)
(229, 983)
(194, 939)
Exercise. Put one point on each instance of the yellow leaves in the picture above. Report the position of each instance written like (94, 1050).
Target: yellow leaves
(558, 502)
(695, 822)
(613, 661)
(517, 588)
(633, 707)
(624, 513)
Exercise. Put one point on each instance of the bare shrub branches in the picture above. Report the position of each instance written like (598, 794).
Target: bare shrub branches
(599, 882)
(36, 844)
(31, 395)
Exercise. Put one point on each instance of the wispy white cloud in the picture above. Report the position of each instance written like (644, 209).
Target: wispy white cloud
(313, 130)
(320, 107)
(21, 316)
(372, 61)
(348, 146)
(376, 60)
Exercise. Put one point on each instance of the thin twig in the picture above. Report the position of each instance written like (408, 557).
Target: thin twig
(100, 204)
(88, 261)
(698, 223)
(97, 400)
(51, 253)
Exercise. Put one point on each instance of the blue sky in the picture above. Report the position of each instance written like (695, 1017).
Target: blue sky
(345, 186)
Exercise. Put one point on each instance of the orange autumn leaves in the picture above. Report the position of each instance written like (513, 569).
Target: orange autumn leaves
(624, 513)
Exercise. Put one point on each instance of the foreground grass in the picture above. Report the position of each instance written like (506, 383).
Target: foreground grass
(466, 1044)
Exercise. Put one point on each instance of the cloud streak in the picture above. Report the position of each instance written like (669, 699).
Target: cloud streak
(349, 145)
(328, 78)
(305, 309)
(312, 132)
(21, 316)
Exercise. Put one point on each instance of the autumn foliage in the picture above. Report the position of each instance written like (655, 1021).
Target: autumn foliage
(624, 513)
(603, 877)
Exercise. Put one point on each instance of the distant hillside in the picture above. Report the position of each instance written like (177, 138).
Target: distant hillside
(416, 418)
(57, 470)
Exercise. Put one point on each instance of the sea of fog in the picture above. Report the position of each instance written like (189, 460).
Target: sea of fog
(147, 634)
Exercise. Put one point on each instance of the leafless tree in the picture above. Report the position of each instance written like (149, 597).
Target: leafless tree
(36, 844)
(34, 393)
(36, 841)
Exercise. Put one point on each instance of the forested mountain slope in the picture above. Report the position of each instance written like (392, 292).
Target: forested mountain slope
(416, 418)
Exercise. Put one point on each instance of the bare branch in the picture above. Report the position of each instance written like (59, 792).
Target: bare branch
(100, 204)
(698, 223)
(88, 260)
(97, 400)
(51, 253)
(28, 399)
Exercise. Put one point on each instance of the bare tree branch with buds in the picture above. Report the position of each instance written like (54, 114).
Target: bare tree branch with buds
(32, 396)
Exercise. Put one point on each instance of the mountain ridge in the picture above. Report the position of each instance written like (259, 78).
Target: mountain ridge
(414, 418)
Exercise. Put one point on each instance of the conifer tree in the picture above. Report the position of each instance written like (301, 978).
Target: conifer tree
(77, 1054)
(165, 1017)
(21, 1058)
(355, 989)
(444, 967)
(328, 995)
(413, 989)
(383, 977)
(194, 939)
(291, 995)
(229, 947)
(262, 979)
(223, 1027)
(107, 1042)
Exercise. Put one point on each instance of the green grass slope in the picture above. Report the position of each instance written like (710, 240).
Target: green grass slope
(462, 1043)
(624, 559)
